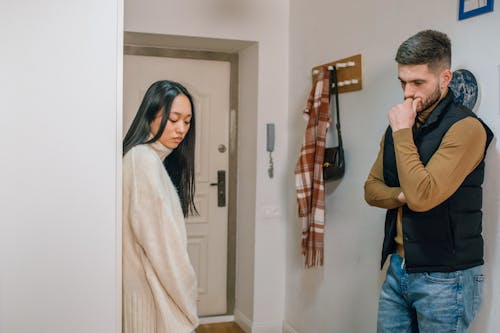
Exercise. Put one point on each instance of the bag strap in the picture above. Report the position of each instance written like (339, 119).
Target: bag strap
(334, 83)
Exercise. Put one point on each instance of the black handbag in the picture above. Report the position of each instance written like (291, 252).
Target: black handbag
(334, 163)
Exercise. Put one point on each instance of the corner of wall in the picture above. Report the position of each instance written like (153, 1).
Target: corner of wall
(247, 148)
(243, 321)
(287, 328)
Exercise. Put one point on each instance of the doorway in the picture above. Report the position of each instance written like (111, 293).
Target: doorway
(212, 78)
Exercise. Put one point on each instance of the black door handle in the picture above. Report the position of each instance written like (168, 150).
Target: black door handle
(221, 188)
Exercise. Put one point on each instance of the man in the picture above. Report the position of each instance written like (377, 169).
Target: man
(428, 175)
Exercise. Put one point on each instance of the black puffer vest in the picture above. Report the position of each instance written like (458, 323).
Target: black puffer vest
(448, 237)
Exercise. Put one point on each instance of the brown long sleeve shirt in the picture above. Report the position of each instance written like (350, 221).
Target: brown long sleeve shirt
(425, 187)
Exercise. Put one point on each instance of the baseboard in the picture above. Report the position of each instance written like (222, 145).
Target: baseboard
(287, 328)
(216, 319)
(252, 327)
(242, 320)
(267, 327)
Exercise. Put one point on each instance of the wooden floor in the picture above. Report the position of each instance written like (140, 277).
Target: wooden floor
(219, 328)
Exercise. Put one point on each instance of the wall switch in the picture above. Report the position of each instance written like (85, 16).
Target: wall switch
(271, 212)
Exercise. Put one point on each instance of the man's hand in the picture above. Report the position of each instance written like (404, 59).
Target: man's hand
(403, 115)
(402, 198)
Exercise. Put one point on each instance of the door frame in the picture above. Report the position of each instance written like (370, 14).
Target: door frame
(133, 46)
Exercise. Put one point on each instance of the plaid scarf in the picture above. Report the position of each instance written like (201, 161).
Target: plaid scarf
(309, 182)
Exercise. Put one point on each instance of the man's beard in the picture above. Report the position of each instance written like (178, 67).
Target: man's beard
(430, 100)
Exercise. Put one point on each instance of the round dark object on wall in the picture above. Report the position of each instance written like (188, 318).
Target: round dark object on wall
(464, 86)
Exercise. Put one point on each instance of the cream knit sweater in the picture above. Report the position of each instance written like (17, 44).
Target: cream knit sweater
(159, 283)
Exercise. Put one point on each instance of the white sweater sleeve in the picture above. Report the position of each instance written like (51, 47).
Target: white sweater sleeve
(158, 224)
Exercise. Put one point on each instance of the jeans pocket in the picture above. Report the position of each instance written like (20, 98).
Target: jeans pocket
(441, 277)
(478, 293)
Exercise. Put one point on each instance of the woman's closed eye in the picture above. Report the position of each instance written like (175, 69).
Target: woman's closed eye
(187, 122)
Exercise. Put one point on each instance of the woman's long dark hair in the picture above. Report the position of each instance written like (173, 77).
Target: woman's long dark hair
(180, 162)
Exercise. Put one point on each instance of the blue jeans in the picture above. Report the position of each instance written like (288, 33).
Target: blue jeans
(428, 302)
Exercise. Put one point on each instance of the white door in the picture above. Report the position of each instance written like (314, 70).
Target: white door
(208, 82)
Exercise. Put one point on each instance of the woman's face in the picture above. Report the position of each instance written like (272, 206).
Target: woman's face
(178, 122)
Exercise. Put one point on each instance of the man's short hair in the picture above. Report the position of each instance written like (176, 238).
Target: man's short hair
(426, 47)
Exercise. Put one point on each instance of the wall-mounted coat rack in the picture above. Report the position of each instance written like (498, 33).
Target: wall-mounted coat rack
(348, 73)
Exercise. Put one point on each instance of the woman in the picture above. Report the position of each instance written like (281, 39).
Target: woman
(159, 283)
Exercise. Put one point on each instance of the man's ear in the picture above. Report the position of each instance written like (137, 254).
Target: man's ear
(445, 78)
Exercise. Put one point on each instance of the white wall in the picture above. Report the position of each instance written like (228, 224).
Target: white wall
(60, 68)
(342, 296)
(261, 240)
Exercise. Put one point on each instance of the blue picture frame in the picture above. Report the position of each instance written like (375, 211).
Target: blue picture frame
(469, 8)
